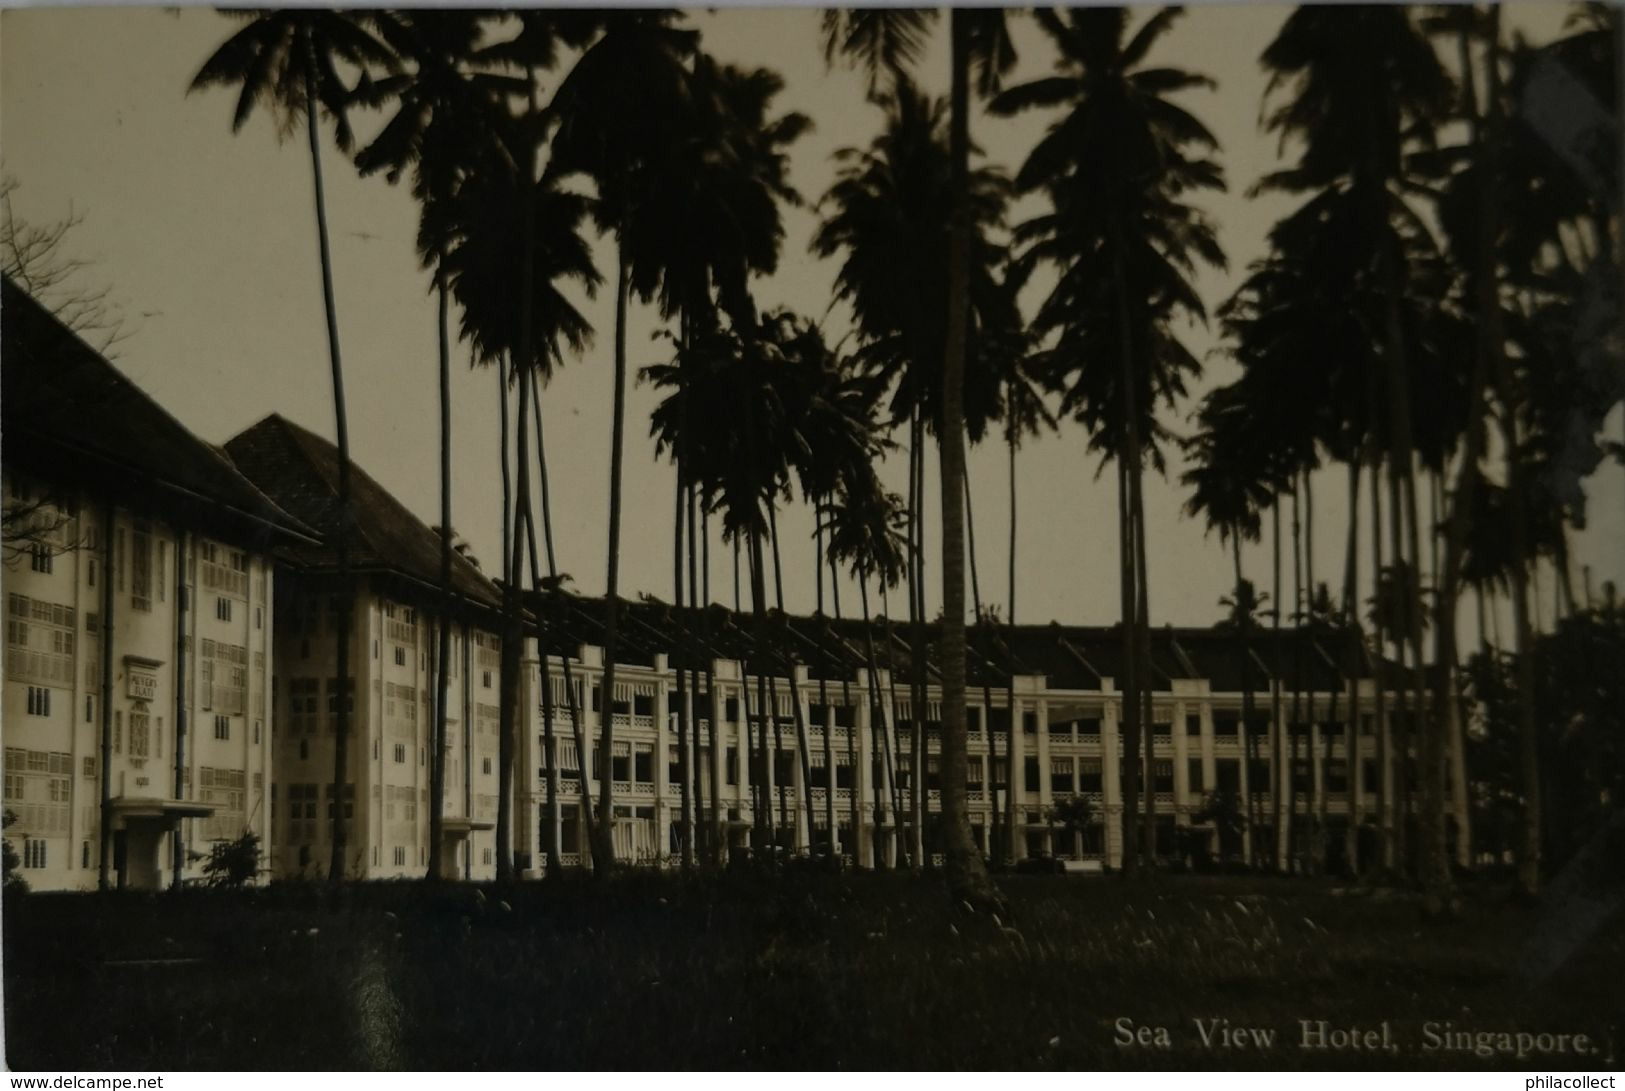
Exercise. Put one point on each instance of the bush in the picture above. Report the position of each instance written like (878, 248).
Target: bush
(13, 881)
(233, 863)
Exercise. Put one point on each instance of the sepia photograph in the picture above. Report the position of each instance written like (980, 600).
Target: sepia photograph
(814, 539)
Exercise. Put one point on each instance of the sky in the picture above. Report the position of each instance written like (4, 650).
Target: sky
(208, 242)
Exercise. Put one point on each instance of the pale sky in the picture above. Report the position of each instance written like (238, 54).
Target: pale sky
(209, 242)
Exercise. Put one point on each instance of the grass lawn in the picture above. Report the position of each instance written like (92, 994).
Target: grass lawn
(806, 971)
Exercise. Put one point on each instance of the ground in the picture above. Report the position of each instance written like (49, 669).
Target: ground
(802, 971)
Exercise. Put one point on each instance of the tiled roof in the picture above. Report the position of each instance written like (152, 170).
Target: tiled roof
(299, 469)
(73, 418)
(1071, 657)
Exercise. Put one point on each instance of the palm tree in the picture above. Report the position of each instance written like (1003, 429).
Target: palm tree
(290, 61)
(444, 108)
(614, 112)
(979, 42)
(510, 287)
(1355, 126)
(715, 220)
(1126, 242)
(864, 531)
(889, 212)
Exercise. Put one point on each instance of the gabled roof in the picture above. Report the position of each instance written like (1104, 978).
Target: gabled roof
(299, 469)
(72, 419)
(1070, 657)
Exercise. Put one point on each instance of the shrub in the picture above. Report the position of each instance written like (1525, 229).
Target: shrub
(233, 863)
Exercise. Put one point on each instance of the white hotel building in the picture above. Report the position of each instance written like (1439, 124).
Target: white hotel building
(1068, 741)
(396, 604)
(170, 683)
(139, 620)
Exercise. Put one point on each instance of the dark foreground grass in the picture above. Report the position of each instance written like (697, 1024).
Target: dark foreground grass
(814, 972)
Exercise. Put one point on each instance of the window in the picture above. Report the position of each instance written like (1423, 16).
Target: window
(1089, 774)
(1029, 779)
(485, 765)
(304, 749)
(140, 733)
(39, 701)
(1029, 723)
(1226, 727)
(90, 573)
(1089, 725)
(1060, 775)
(1193, 723)
(620, 762)
(1061, 728)
(1193, 777)
(1336, 775)
(1368, 777)
(259, 617)
(141, 568)
(400, 656)
(643, 764)
(222, 608)
(400, 753)
(256, 732)
(90, 708)
(730, 711)
(40, 557)
(974, 771)
(485, 681)
(1162, 775)
(731, 765)
(34, 852)
(222, 727)
(400, 855)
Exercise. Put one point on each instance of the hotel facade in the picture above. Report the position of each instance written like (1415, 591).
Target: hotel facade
(139, 618)
(171, 684)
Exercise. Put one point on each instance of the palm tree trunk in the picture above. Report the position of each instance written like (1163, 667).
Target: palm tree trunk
(685, 835)
(1277, 750)
(853, 796)
(346, 600)
(877, 727)
(706, 831)
(1146, 672)
(917, 641)
(1295, 723)
(823, 686)
(1128, 459)
(573, 705)
(603, 859)
(1130, 764)
(905, 850)
(803, 745)
(437, 765)
(758, 593)
(967, 876)
(511, 718)
(987, 685)
(554, 865)
(1010, 692)
(1384, 729)
(1353, 766)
